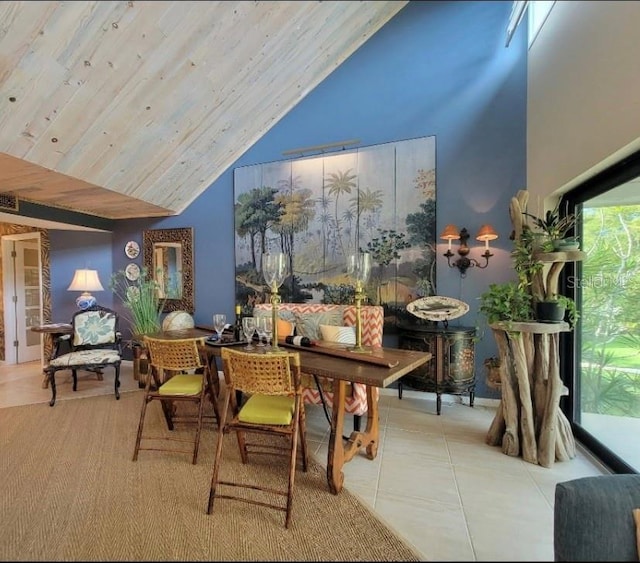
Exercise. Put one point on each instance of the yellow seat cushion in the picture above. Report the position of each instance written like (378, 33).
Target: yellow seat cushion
(267, 409)
(182, 384)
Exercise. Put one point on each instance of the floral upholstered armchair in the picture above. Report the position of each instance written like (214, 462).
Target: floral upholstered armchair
(95, 344)
(307, 320)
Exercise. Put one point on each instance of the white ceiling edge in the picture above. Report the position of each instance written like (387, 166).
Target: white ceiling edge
(44, 224)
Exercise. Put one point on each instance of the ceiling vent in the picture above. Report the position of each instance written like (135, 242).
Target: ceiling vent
(8, 202)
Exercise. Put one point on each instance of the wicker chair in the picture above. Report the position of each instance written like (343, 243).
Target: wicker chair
(94, 345)
(274, 407)
(372, 332)
(179, 373)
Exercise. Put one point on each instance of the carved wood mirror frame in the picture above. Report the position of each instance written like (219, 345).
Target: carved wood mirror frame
(184, 237)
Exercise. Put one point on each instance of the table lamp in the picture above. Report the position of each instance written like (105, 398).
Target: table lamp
(85, 281)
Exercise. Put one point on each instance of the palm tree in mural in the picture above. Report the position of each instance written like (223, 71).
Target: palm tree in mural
(255, 211)
(365, 203)
(338, 184)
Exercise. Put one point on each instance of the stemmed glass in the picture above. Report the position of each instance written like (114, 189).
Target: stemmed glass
(219, 322)
(260, 325)
(274, 270)
(249, 327)
(267, 329)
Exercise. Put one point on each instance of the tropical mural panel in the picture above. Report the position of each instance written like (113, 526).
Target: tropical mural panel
(379, 199)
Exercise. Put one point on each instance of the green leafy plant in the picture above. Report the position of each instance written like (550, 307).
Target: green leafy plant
(552, 224)
(569, 305)
(141, 299)
(508, 302)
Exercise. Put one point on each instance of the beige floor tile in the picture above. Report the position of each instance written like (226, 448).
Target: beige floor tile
(436, 529)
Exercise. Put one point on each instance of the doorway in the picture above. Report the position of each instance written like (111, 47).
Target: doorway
(22, 296)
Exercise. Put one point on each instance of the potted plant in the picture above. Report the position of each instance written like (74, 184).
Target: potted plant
(556, 228)
(142, 301)
(555, 308)
(506, 302)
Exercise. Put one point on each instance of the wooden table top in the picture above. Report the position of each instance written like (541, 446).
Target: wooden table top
(354, 368)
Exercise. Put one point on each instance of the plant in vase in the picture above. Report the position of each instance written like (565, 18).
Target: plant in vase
(554, 309)
(506, 302)
(556, 228)
(142, 300)
(144, 306)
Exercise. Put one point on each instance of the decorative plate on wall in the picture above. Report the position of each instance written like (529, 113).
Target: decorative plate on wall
(132, 271)
(437, 308)
(132, 249)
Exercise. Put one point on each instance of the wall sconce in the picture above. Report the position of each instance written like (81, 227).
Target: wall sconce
(486, 233)
(85, 281)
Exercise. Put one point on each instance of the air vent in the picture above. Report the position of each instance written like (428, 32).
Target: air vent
(8, 202)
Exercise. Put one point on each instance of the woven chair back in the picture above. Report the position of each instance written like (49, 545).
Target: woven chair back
(176, 355)
(266, 374)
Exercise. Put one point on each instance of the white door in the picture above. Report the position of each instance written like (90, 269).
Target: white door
(22, 272)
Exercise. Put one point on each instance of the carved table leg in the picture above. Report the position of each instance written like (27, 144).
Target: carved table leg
(340, 453)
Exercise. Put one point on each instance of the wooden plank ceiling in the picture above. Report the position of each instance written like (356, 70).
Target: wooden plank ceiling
(132, 109)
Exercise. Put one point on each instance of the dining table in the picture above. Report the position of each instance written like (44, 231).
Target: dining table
(374, 368)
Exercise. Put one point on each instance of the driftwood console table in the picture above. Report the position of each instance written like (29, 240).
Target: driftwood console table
(529, 421)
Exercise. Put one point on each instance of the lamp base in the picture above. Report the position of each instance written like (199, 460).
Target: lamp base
(85, 301)
(361, 349)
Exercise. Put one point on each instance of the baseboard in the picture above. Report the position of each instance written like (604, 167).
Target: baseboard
(446, 398)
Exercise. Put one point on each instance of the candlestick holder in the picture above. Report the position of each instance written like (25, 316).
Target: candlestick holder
(274, 270)
(359, 268)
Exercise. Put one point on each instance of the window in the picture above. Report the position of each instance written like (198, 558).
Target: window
(538, 12)
(537, 15)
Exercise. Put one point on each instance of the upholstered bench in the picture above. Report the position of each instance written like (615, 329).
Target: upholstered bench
(307, 319)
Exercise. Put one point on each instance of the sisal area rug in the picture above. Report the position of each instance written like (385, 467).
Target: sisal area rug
(70, 492)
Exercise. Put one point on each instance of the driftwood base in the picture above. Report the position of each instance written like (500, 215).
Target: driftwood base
(529, 421)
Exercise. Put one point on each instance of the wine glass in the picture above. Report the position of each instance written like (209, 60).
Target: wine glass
(219, 322)
(260, 329)
(274, 269)
(249, 327)
(267, 329)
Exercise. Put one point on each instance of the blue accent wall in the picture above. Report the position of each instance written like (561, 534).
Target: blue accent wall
(73, 250)
(437, 68)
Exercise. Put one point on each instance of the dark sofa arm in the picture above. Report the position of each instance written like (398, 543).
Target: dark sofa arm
(593, 518)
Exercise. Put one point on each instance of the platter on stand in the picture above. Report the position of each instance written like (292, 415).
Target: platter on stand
(437, 308)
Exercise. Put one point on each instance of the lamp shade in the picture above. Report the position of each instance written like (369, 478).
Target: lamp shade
(486, 232)
(450, 233)
(85, 280)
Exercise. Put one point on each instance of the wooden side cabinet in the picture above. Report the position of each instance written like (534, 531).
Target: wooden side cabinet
(452, 369)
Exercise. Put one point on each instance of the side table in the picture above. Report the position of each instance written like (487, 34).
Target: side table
(52, 332)
(453, 368)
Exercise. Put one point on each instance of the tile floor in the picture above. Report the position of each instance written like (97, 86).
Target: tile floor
(434, 480)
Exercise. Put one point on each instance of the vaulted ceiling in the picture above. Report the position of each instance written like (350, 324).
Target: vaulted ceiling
(132, 109)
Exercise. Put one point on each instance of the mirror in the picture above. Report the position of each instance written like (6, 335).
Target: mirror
(168, 255)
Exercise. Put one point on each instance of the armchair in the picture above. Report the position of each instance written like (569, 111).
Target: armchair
(95, 343)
